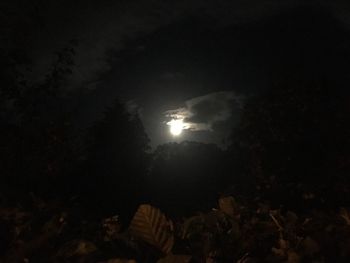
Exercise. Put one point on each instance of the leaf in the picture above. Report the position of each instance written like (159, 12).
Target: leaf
(310, 246)
(246, 259)
(187, 225)
(345, 215)
(283, 249)
(76, 248)
(228, 205)
(117, 260)
(293, 257)
(151, 226)
(111, 228)
(175, 259)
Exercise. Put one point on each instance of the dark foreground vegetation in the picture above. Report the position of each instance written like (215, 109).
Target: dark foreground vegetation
(279, 192)
(231, 232)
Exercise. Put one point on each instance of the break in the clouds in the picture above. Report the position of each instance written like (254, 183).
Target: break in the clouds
(205, 112)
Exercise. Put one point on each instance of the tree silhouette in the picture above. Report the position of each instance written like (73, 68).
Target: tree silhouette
(36, 128)
(295, 135)
(187, 173)
(117, 159)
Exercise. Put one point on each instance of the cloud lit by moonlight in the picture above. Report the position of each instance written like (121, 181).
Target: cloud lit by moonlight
(202, 113)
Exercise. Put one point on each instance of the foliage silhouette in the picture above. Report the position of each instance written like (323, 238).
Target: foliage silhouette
(190, 173)
(36, 128)
(293, 139)
(117, 160)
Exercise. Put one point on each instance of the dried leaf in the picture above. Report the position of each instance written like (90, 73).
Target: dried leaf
(293, 257)
(278, 252)
(175, 259)
(310, 246)
(228, 205)
(279, 226)
(118, 260)
(151, 226)
(344, 213)
(76, 248)
(111, 227)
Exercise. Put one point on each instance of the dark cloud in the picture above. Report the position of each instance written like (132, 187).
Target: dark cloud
(104, 26)
(205, 113)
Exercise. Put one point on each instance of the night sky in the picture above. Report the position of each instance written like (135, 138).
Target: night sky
(194, 60)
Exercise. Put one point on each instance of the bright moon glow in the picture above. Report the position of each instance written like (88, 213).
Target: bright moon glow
(176, 127)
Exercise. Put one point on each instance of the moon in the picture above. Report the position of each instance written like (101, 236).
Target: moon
(176, 127)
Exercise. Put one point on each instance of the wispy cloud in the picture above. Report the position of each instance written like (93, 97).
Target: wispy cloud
(204, 112)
